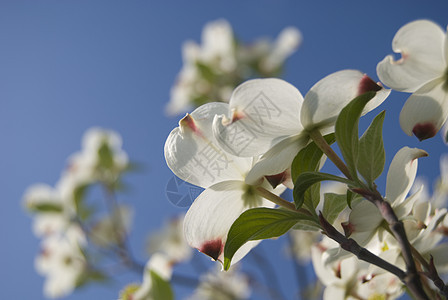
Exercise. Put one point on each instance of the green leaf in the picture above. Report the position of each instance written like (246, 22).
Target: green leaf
(346, 130)
(334, 204)
(78, 196)
(312, 198)
(353, 198)
(307, 225)
(308, 159)
(47, 207)
(98, 276)
(205, 71)
(160, 289)
(200, 99)
(79, 193)
(307, 179)
(106, 156)
(91, 276)
(350, 195)
(256, 224)
(371, 155)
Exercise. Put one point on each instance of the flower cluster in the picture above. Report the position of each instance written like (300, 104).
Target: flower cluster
(258, 138)
(65, 221)
(244, 154)
(241, 152)
(166, 247)
(351, 278)
(424, 221)
(213, 69)
(423, 71)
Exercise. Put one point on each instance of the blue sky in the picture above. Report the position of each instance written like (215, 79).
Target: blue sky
(69, 65)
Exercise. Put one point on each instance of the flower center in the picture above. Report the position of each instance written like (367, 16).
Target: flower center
(250, 197)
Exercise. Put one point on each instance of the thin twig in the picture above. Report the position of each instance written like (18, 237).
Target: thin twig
(431, 272)
(352, 246)
(412, 279)
(434, 276)
(124, 250)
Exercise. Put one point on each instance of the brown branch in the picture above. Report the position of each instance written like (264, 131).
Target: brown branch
(431, 272)
(412, 279)
(352, 246)
(434, 276)
(123, 249)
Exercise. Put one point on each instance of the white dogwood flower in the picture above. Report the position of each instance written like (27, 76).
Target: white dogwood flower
(423, 71)
(193, 154)
(347, 278)
(160, 265)
(170, 241)
(218, 285)
(213, 68)
(62, 262)
(269, 117)
(365, 218)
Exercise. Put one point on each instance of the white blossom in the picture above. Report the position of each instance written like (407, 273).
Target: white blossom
(61, 262)
(218, 285)
(193, 154)
(423, 71)
(170, 241)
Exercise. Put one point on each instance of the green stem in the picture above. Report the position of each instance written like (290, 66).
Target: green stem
(280, 201)
(317, 137)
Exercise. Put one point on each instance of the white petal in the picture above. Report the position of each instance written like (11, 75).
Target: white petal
(349, 268)
(425, 112)
(191, 151)
(211, 215)
(161, 264)
(363, 222)
(94, 137)
(412, 228)
(445, 48)
(440, 257)
(334, 292)
(218, 41)
(421, 44)
(401, 174)
(262, 110)
(323, 272)
(429, 237)
(46, 224)
(404, 208)
(286, 44)
(421, 210)
(277, 159)
(327, 98)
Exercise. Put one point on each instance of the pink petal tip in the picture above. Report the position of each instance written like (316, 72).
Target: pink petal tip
(367, 85)
(212, 248)
(275, 180)
(424, 131)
